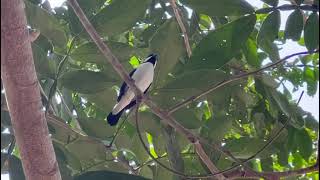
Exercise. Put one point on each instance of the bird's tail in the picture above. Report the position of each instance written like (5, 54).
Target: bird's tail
(114, 118)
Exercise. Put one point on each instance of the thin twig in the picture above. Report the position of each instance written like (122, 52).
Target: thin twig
(182, 27)
(59, 70)
(232, 79)
(117, 131)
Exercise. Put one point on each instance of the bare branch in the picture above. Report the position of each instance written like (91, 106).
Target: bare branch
(182, 27)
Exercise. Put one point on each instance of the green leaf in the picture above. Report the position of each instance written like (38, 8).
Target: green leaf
(45, 67)
(5, 140)
(87, 150)
(250, 52)
(15, 168)
(271, 2)
(245, 147)
(205, 21)
(220, 8)
(119, 16)
(168, 44)
(216, 128)
(294, 26)
(102, 175)
(288, 109)
(304, 142)
(89, 8)
(47, 24)
(86, 82)
(89, 52)
(221, 45)
(105, 99)
(96, 128)
(269, 28)
(311, 32)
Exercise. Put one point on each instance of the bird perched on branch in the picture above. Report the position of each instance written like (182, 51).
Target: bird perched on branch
(143, 77)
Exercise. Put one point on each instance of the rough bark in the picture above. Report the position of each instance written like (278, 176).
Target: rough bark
(23, 95)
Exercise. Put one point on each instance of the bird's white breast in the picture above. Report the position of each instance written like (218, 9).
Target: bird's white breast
(142, 77)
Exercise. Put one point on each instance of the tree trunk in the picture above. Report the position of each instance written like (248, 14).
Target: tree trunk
(23, 95)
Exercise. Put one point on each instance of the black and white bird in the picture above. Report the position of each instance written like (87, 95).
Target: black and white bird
(143, 77)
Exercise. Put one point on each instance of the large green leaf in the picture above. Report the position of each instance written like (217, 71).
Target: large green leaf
(304, 143)
(180, 87)
(245, 147)
(90, 53)
(88, 151)
(119, 16)
(96, 128)
(105, 99)
(89, 8)
(47, 24)
(168, 44)
(294, 25)
(268, 33)
(219, 46)
(311, 32)
(269, 28)
(86, 82)
(216, 128)
(220, 8)
(250, 52)
(45, 66)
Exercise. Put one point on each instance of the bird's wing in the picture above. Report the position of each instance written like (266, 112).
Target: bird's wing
(124, 86)
(147, 89)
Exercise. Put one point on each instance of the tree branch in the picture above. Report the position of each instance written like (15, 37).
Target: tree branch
(182, 27)
(206, 159)
(232, 79)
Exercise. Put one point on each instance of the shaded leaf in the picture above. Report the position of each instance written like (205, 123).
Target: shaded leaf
(245, 147)
(47, 24)
(251, 54)
(304, 143)
(90, 53)
(119, 16)
(311, 32)
(87, 82)
(220, 8)
(89, 8)
(167, 43)
(269, 28)
(96, 128)
(224, 43)
(5, 140)
(294, 26)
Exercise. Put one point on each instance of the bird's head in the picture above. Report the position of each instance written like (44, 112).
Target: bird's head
(152, 58)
